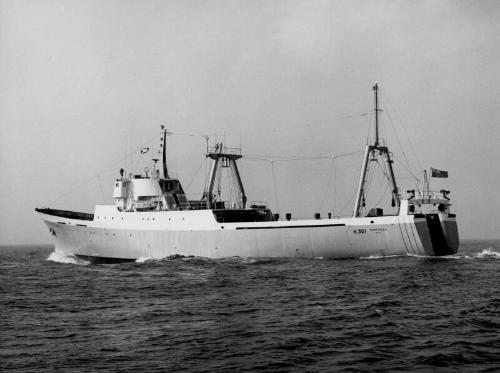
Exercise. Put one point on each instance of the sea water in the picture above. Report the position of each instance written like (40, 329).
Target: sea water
(59, 313)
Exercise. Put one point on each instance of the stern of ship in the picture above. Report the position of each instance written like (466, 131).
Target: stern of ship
(436, 227)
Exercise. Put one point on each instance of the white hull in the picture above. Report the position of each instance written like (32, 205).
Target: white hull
(214, 228)
(121, 235)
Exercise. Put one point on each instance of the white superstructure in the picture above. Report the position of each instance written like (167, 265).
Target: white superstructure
(152, 218)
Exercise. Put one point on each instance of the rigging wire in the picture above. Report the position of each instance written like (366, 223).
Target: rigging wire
(348, 203)
(408, 163)
(369, 178)
(328, 184)
(269, 158)
(370, 122)
(384, 168)
(274, 130)
(196, 174)
(272, 161)
(80, 184)
(334, 185)
(383, 195)
(385, 171)
(312, 125)
(384, 179)
(275, 187)
(386, 98)
(407, 169)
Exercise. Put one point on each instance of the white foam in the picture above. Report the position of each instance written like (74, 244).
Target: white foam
(143, 259)
(488, 253)
(485, 254)
(379, 257)
(456, 256)
(61, 257)
(246, 260)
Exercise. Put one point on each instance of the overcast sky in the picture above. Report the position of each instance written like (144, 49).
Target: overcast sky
(84, 83)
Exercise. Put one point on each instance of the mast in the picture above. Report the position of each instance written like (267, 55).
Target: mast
(376, 149)
(240, 183)
(164, 156)
(222, 158)
(362, 182)
(375, 88)
(213, 174)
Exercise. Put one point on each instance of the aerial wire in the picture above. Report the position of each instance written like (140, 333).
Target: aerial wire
(196, 174)
(404, 130)
(80, 184)
(275, 187)
(275, 130)
(330, 177)
(348, 203)
(334, 185)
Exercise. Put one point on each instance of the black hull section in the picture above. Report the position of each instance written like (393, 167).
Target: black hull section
(66, 214)
(444, 239)
(103, 260)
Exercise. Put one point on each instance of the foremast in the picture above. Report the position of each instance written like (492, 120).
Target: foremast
(375, 150)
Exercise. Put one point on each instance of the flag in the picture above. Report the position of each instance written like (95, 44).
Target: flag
(438, 173)
(143, 150)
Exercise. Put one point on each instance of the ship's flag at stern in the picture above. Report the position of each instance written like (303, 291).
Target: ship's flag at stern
(438, 173)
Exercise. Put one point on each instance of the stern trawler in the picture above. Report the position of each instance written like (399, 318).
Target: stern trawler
(153, 218)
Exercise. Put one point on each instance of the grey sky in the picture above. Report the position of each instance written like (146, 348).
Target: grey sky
(82, 83)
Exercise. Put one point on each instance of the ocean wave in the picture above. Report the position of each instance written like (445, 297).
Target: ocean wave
(380, 257)
(250, 260)
(485, 254)
(61, 257)
(488, 253)
(444, 257)
(404, 314)
(143, 259)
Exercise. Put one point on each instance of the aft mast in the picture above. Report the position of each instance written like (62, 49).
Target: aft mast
(376, 150)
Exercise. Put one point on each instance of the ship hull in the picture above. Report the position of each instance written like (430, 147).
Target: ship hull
(159, 235)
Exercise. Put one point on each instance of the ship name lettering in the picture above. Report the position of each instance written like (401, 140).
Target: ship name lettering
(378, 229)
